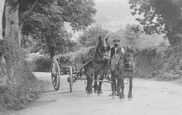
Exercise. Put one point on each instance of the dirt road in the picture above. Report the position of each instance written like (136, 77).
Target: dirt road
(149, 98)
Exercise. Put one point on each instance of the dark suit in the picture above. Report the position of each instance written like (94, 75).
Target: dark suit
(113, 51)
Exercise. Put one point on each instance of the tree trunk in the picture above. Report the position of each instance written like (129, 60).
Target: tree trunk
(3, 74)
(1, 18)
(51, 48)
(12, 21)
(11, 36)
(52, 51)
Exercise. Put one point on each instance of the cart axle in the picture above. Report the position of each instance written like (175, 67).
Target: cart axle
(103, 81)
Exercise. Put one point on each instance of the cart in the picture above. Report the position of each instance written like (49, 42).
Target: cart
(59, 69)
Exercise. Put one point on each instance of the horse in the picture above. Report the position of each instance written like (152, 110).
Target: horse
(97, 65)
(86, 58)
(122, 66)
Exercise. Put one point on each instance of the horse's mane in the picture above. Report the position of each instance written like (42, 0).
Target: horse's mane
(97, 46)
(89, 55)
(95, 53)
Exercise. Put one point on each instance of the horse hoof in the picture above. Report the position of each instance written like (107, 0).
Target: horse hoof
(117, 94)
(122, 96)
(95, 91)
(89, 94)
(100, 92)
(129, 96)
(110, 95)
(113, 97)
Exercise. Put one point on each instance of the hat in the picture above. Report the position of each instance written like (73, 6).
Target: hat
(116, 40)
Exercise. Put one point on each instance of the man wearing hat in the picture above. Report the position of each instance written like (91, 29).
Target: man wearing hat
(114, 49)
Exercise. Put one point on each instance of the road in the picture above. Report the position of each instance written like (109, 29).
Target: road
(149, 98)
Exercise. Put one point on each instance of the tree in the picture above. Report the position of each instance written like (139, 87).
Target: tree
(1, 18)
(160, 16)
(89, 37)
(132, 34)
(47, 21)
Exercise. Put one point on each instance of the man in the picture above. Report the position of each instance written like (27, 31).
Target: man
(114, 50)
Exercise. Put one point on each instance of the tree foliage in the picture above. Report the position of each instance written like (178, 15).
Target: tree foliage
(79, 13)
(89, 37)
(132, 33)
(46, 23)
(160, 16)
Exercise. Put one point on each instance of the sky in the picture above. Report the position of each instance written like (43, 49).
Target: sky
(117, 12)
(110, 0)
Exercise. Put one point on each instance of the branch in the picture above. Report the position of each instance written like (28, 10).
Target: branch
(27, 14)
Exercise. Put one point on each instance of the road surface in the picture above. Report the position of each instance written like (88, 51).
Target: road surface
(149, 98)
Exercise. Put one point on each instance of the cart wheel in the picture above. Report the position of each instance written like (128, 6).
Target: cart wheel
(71, 78)
(55, 74)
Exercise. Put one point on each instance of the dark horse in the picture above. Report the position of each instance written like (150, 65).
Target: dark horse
(97, 65)
(122, 66)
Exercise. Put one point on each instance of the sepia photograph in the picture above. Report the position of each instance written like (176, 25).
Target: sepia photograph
(91, 57)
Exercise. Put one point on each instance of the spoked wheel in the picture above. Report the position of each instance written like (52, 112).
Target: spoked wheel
(55, 74)
(71, 78)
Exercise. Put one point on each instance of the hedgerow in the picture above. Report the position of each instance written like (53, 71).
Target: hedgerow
(18, 85)
(160, 63)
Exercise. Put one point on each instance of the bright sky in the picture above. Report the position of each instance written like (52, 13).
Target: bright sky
(110, 0)
(117, 11)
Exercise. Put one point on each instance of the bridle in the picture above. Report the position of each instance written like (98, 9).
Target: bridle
(101, 52)
(128, 62)
(126, 59)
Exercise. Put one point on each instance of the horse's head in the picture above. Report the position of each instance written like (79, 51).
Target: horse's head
(103, 48)
(129, 57)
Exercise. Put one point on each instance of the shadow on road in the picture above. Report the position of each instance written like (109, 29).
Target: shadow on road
(48, 91)
(39, 103)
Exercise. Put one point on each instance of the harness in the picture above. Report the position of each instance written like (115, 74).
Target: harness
(98, 56)
(126, 65)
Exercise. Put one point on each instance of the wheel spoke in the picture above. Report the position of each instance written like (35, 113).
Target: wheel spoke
(55, 74)
(54, 68)
(53, 79)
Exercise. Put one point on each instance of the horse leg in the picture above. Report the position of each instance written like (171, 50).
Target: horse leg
(113, 85)
(130, 87)
(100, 84)
(121, 81)
(95, 83)
(118, 86)
(89, 84)
(86, 89)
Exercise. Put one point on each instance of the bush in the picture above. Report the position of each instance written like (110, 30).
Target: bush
(24, 88)
(160, 64)
(17, 83)
(42, 64)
